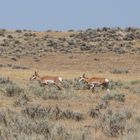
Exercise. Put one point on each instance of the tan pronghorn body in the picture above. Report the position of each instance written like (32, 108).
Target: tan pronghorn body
(48, 79)
(95, 81)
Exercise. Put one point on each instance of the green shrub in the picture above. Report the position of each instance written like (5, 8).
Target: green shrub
(135, 90)
(51, 91)
(135, 82)
(80, 85)
(115, 84)
(22, 101)
(19, 67)
(15, 126)
(13, 89)
(36, 111)
(114, 96)
(119, 71)
(94, 113)
(113, 123)
(103, 105)
(4, 80)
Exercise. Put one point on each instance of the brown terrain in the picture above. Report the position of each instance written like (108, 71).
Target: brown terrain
(31, 111)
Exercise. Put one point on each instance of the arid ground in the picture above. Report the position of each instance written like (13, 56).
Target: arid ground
(30, 111)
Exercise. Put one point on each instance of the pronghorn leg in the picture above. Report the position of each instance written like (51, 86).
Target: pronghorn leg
(105, 86)
(43, 84)
(59, 87)
(92, 88)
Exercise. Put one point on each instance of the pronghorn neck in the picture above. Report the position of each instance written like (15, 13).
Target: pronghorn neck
(85, 79)
(38, 78)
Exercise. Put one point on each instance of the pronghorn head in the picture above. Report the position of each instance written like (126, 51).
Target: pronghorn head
(34, 76)
(82, 78)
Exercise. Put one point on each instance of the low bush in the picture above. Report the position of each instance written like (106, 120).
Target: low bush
(15, 126)
(114, 96)
(119, 71)
(103, 105)
(79, 85)
(114, 123)
(19, 67)
(94, 113)
(135, 90)
(51, 91)
(115, 84)
(36, 111)
(4, 80)
(13, 89)
(22, 101)
(134, 82)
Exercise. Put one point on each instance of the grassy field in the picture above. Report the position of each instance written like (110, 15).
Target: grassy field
(29, 111)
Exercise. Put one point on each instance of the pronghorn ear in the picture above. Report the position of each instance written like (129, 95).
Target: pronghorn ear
(36, 73)
(84, 75)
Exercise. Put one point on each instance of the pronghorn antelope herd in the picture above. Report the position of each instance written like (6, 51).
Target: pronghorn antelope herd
(57, 81)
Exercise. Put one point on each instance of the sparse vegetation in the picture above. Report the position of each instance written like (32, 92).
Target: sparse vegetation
(14, 66)
(116, 84)
(22, 101)
(114, 123)
(51, 92)
(13, 89)
(120, 71)
(37, 111)
(30, 110)
(4, 80)
(90, 40)
(114, 96)
(16, 126)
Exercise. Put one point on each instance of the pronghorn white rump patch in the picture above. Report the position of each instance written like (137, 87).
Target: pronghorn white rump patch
(108, 90)
(106, 80)
(60, 79)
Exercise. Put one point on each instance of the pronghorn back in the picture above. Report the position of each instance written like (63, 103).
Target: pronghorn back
(54, 78)
(96, 79)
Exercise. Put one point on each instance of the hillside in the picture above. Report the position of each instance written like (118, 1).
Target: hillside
(31, 111)
(36, 44)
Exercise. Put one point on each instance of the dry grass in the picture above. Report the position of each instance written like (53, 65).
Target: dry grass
(71, 66)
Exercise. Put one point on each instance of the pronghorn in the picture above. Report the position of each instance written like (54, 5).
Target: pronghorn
(95, 81)
(48, 80)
